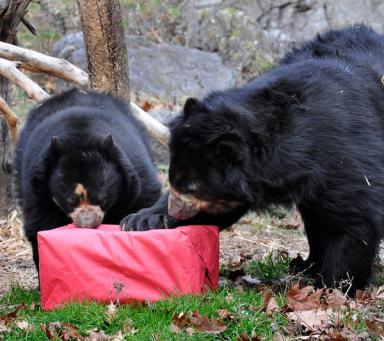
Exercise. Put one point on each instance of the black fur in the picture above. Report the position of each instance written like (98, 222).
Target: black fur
(308, 132)
(87, 138)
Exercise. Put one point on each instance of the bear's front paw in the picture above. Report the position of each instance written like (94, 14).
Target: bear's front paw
(300, 266)
(144, 221)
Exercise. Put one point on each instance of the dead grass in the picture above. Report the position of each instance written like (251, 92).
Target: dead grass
(16, 265)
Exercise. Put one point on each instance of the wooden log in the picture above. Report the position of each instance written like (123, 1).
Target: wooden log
(38, 62)
(9, 70)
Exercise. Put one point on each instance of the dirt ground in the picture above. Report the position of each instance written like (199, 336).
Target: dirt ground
(253, 238)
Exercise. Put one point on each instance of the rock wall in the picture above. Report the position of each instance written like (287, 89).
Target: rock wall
(251, 35)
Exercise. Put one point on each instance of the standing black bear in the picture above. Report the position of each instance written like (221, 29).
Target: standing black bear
(82, 149)
(309, 132)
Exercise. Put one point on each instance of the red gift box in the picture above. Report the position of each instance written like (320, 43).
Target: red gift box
(107, 264)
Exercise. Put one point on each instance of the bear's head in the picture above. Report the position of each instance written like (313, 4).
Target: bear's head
(223, 150)
(86, 178)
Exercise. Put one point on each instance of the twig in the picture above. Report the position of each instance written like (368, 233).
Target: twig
(29, 25)
(267, 245)
(12, 57)
(11, 119)
(9, 70)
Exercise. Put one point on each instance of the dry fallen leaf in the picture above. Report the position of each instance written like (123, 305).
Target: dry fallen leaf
(128, 328)
(245, 337)
(380, 292)
(204, 324)
(23, 325)
(269, 302)
(301, 299)
(34, 306)
(334, 299)
(376, 327)
(118, 337)
(313, 319)
(198, 322)
(224, 314)
(3, 327)
(7, 317)
(97, 335)
(178, 322)
(110, 313)
(245, 221)
(61, 330)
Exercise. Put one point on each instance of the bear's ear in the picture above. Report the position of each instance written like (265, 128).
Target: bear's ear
(191, 104)
(107, 143)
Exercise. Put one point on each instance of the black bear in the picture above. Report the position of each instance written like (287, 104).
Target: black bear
(82, 149)
(309, 132)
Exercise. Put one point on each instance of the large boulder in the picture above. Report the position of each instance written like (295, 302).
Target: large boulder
(169, 72)
(159, 70)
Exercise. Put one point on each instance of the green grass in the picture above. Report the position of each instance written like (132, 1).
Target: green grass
(152, 321)
(273, 267)
(148, 319)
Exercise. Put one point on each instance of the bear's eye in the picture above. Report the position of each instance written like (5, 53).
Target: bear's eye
(100, 202)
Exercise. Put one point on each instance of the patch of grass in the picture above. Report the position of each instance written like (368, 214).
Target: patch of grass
(273, 267)
(150, 319)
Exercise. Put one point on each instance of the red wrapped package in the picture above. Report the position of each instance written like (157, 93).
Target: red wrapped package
(106, 264)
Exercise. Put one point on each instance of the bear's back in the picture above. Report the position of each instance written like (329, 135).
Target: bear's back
(359, 45)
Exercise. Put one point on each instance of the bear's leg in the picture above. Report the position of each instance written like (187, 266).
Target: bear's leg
(348, 259)
(157, 217)
(317, 232)
(37, 219)
(35, 252)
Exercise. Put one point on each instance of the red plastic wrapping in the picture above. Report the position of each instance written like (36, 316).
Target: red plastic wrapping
(90, 264)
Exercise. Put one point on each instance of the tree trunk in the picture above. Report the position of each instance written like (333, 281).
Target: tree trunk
(11, 13)
(105, 44)
(7, 193)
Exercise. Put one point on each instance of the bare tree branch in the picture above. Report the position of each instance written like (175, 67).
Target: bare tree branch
(9, 70)
(29, 25)
(13, 57)
(156, 129)
(10, 117)
(38, 62)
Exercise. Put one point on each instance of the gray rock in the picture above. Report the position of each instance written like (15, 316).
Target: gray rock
(159, 70)
(162, 70)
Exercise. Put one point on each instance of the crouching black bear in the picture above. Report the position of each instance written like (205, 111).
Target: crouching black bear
(309, 132)
(82, 149)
